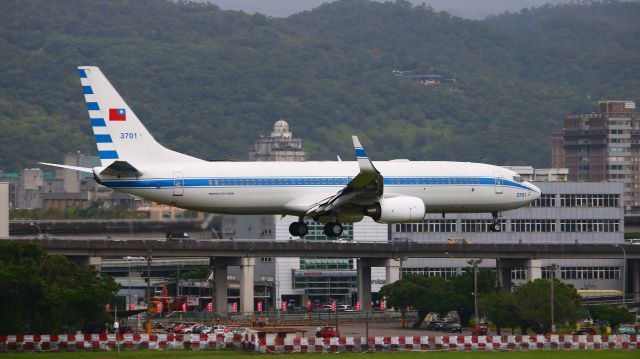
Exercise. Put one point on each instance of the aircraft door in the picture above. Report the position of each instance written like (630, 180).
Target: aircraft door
(178, 184)
(498, 177)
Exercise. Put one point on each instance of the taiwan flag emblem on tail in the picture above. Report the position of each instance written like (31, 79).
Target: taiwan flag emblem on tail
(117, 114)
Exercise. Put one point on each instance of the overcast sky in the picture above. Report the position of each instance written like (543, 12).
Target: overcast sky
(474, 9)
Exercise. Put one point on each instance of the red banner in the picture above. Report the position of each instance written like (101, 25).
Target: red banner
(183, 307)
(107, 307)
(357, 306)
(333, 306)
(209, 307)
(309, 305)
(382, 305)
(259, 306)
(234, 307)
(284, 306)
(158, 307)
(132, 306)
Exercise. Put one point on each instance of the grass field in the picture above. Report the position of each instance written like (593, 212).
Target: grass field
(208, 354)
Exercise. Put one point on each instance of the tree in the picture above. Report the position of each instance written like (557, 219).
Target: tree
(533, 304)
(463, 288)
(47, 293)
(425, 294)
(613, 314)
(499, 307)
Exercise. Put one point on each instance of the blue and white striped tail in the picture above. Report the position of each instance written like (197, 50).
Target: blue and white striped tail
(118, 132)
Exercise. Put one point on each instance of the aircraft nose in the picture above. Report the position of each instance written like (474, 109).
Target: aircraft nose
(536, 189)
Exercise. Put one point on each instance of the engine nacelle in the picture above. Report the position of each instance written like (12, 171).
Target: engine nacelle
(397, 210)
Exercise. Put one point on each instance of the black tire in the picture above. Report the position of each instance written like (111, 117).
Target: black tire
(298, 229)
(333, 229)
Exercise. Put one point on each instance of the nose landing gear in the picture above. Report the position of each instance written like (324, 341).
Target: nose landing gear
(496, 226)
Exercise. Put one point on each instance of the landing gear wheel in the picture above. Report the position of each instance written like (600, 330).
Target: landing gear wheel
(298, 229)
(495, 224)
(333, 229)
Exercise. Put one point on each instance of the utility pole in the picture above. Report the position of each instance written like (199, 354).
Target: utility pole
(474, 263)
(212, 266)
(148, 317)
(552, 275)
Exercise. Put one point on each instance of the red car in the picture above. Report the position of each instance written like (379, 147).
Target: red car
(480, 329)
(328, 332)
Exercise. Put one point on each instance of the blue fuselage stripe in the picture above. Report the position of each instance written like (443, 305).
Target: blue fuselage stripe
(93, 106)
(87, 90)
(307, 182)
(82, 73)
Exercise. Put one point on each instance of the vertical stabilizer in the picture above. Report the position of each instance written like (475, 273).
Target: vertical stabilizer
(119, 134)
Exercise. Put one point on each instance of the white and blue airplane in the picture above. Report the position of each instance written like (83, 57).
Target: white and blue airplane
(331, 192)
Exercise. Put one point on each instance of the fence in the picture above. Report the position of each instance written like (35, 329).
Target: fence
(82, 342)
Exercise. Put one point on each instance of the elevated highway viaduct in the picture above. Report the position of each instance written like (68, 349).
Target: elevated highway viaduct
(243, 253)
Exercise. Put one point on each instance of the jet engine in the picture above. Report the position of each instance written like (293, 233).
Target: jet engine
(397, 210)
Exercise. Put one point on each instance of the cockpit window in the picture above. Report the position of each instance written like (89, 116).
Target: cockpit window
(518, 179)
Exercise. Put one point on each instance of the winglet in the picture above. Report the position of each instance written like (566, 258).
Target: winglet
(363, 159)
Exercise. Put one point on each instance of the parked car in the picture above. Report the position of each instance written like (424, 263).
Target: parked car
(345, 308)
(627, 329)
(328, 332)
(201, 329)
(458, 240)
(219, 329)
(179, 236)
(480, 329)
(585, 331)
(452, 327)
(326, 308)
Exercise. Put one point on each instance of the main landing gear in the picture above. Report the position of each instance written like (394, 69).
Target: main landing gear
(333, 229)
(298, 229)
(496, 226)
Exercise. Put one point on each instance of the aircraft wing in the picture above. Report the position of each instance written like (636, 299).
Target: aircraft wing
(364, 189)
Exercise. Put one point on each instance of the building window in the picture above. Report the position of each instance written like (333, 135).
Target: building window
(533, 225)
(480, 225)
(266, 259)
(589, 200)
(589, 225)
(590, 273)
(432, 225)
(446, 272)
(519, 274)
(545, 200)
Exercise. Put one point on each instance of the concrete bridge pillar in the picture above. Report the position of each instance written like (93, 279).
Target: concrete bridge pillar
(392, 271)
(4, 209)
(364, 284)
(503, 272)
(534, 269)
(247, 267)
(220, 279)
(94, 263)
(635, 280)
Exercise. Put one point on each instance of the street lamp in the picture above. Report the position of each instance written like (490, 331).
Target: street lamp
(474, 263)
(129, 259)
(552, 269)
(624, 274)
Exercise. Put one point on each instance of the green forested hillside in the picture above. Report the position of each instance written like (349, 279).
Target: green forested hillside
(207, 82)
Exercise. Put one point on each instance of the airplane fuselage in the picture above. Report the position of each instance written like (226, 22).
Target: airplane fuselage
(289, 187)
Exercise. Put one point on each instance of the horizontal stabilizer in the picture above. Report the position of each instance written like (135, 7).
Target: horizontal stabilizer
(121, 169)
(74, 168)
